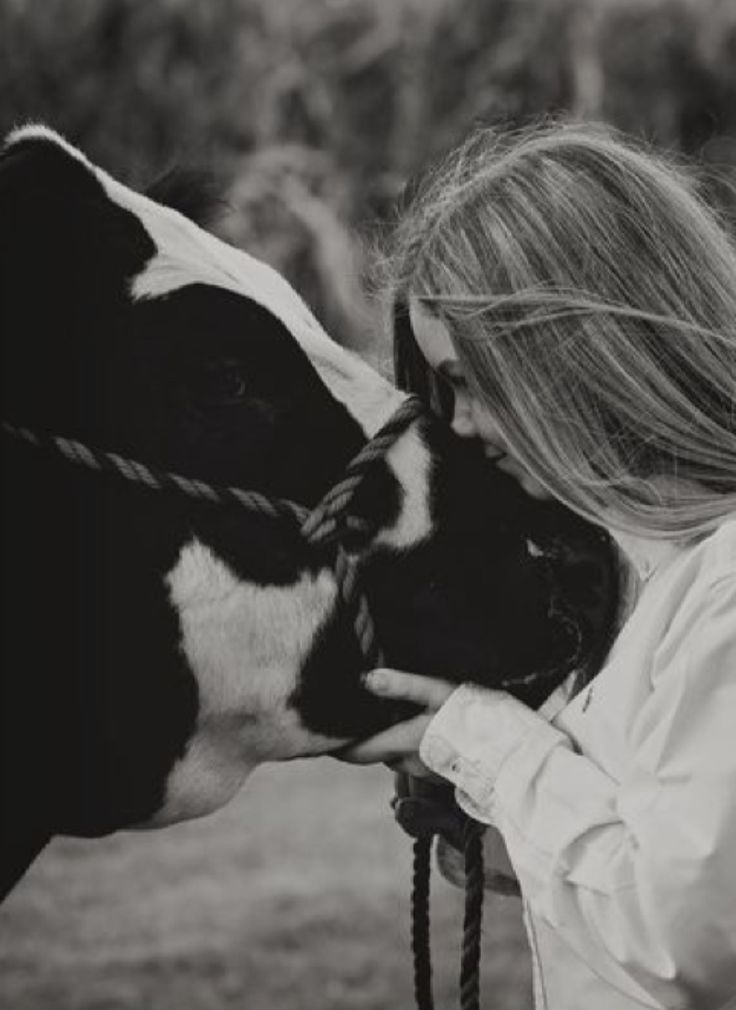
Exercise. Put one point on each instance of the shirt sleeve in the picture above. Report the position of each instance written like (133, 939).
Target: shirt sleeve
(637, 875)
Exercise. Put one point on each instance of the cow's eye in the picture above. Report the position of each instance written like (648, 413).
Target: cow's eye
(223, 383)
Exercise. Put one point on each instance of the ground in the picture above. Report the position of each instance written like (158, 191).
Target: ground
(295, 897)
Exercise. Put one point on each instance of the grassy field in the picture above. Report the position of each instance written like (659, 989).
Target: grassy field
(295, 897)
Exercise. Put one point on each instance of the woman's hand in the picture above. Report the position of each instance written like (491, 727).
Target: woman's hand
(398, 746)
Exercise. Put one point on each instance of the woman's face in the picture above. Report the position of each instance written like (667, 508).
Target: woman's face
(470, 418)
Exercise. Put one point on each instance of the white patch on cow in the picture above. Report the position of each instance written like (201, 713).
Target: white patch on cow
(245, 645)
(410, 460)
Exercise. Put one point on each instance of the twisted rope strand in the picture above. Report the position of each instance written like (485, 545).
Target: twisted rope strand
(323, 525)
(318, 526)
(420, 938)
(157, 479)
(473, 919)
(340, 495)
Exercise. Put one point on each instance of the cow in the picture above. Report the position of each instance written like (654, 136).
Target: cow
(158, 648)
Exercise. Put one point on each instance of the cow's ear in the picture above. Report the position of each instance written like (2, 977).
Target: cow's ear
(44, 270)
(40, 182)
(62, 218)
(49, 196)
(67, 255)
(37, 164)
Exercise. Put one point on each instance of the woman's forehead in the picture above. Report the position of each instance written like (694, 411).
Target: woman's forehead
(431, 334)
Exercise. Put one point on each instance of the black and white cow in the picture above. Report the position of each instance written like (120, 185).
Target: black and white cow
(156, 649)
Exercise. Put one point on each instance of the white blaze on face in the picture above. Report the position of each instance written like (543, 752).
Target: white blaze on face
(245, 645)
(410, 461)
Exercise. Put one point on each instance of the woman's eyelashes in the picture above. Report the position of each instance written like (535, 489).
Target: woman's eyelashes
(443, 395)
(452, 386)
(451, 373)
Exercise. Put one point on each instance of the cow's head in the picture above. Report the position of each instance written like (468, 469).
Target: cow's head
(161, 647)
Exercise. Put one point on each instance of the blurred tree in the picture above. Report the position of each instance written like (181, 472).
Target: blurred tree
(315, 112)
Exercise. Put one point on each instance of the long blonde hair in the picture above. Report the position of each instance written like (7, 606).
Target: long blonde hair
(591, 297)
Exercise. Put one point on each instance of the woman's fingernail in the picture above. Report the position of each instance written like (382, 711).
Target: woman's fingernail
(377, 681)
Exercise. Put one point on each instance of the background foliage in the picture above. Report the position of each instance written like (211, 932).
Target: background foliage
(313, 113)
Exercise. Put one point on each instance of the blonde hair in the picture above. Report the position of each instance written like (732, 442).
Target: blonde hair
(591, 297)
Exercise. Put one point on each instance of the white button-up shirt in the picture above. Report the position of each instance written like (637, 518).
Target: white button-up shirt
(619, 815)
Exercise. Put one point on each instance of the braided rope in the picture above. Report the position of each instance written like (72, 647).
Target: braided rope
(320, 526)
(325, 524)
(157, 479)
(338, 497)
(473, 918)
(420, 938)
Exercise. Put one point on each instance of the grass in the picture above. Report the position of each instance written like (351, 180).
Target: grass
(293, 897)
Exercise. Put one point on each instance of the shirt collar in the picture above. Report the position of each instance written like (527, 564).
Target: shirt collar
(646, 554)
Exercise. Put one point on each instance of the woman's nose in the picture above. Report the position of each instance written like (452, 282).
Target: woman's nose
(486, 428)
(463, 420)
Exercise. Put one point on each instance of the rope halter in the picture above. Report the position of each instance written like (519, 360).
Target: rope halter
(323, 525)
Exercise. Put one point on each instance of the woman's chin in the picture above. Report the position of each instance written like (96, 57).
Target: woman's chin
(532, 487)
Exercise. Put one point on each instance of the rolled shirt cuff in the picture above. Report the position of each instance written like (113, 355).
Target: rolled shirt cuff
(471, 738)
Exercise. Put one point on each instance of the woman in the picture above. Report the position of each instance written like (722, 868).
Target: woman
(579, 300)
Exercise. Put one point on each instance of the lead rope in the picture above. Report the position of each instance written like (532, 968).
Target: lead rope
(472, 918)
(323, 525)
(420, 937)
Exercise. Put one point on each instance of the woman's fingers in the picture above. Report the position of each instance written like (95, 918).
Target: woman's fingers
(398, 745)
(424, 691)
(390, 746)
